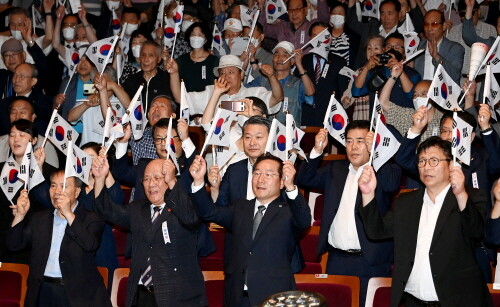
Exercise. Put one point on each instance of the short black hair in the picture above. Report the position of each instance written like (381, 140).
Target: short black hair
(397, 4)
(25, 99)
(268, 156)
(18, 11)
(436, 141)
(132, 10)
(335, 4)
(320, 24)
(204, 29)
(257, 120)
(395, 35)
(78, 182)
(304, 4)
(259, 103)
(96, 147)
(25, 125)
(135, 34)
(465, 116)
(163, 123)
(357, 124)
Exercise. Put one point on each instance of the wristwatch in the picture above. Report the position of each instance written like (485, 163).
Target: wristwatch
(303, 74)
(393, 78)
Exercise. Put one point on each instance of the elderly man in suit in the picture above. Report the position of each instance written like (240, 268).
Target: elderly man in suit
(265, 230)
(438, 49)
(342, 235)
(63, 243)
(164, 227)
(435, 230)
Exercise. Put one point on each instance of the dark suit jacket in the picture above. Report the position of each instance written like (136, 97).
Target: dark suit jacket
(452, 57)
(176, 273)
(267, 257)
(457, 277)
(332, 82)
(82, 281)
(331, 179)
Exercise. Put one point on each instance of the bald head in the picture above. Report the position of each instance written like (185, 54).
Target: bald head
(154, 182)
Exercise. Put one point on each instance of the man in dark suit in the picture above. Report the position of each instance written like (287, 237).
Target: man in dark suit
(265, 230)
(342, 235)
(435, 230)
(438, 49)
(329, 80)
(165, 269)
(63, 244)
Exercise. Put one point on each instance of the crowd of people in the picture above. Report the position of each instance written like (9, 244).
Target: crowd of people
(437, 241)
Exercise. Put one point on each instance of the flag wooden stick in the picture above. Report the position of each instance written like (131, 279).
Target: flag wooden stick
(325, 120)
(374, 139)
(68, 161)
(373, 112)
(173, 47)
(110, 142)
(453, 149)
(305, 45)
(214, 155)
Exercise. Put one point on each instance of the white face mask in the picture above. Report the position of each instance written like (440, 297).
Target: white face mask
(313, 2)
(16, 34)
(337, 20)
(131, 28)
(113, 5)
(419, 101)
(136, 50)
(68, 33)
(197, 42)
(241, 119)
(185, 25)
(255, 42)
(79, 44)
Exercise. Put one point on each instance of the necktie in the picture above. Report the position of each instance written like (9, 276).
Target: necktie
(147, 277)
(257, 219)
(317, 69)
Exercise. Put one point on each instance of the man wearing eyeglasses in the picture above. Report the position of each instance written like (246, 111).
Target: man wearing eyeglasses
(341, 234)
(265, 230)
(435, 230)
(438, 49)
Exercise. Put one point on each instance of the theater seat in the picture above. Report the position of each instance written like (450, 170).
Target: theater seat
(13, 284)
(308, 245)
(339, 291)
(104, 274)
(495, 295)
(119, 287)
(120, 236)
(215, 261)
(214, 287)
(378, 293)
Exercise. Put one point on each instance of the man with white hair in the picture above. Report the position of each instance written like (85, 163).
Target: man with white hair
(296, 90)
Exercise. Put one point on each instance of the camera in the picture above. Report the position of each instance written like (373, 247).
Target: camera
(385, 57)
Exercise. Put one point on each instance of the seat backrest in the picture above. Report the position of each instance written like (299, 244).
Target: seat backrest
(13, 283)
(119, 287)
(308, 245)
(104, 273)
(378, 292)
(339, 291)
(120, 236)
(215, 261)
(495, 295)
(214, 287)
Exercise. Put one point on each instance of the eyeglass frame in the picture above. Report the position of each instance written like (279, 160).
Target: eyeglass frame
(437, 161)
(158, 141)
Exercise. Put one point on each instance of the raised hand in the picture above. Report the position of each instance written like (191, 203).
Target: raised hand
(40, 156)
(267, 70)
(289, 175)
(214, 177)
(169, 170)
(182, 129)
(321, 140)
(22, 205)
(420, 120)
(220, 85)
(367, 183)
(198, 169)
(100, 167)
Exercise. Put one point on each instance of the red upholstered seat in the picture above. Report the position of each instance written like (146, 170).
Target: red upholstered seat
(495, 295)
(308, 245)
(339, 291)
(10, 288)
(378, 293)
(121, 298)
(383, 297)
(215, 292)
(215, 261)
(120, 236)
(119, 287)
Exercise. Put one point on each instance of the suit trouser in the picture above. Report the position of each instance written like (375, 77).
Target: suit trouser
(52, 295)
(341, 263)
(145, 298)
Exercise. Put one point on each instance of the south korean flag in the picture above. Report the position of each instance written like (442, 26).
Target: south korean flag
(461, 139)
(11, 182)
(336, 120)
(274, 10)
(321, 44)
(385, 145)
(444, 91)
(60, 132)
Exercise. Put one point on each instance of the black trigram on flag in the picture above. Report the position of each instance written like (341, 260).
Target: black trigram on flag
(279, 9)
(11, 164)
(448, 104)
(101, 123)
(64, 146)
(138, 127)
(465, 133)
(22, 169)
(436, 91)
(222, 135)
(378, 108)
(10, 189)
(94, 50)
(386, 141)
(495, 61)
(118, 107)
(218, 148)
(69, 134)
(342, 136)
(84, 161)
(333, 108)
(462, 150)
(56, 120)
(375, 156)
(4, 180)
(494, 93)
(440, 77)
(28, 155)
(32, 171)
(100, 60)
(454, 124)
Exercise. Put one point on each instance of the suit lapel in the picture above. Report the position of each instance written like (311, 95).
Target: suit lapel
(146, 218)
(273, 209)
(449, 205)
(48, 219)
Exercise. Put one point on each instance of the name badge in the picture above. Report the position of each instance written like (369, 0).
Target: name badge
(325, 70)
(475, 182)
(302, 37)
(435, 131)
(164, 230)
(204, 72)
(285, 104)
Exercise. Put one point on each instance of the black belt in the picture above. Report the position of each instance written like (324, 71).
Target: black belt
(149, 289)
(349, 252)
(417, 301)
(245, 293)
(53, 280)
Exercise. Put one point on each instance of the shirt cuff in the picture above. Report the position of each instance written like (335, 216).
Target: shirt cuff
(411, 135)
(121, 149)
(188, 147)
(293, 194)
(314, 154)
(196, 188)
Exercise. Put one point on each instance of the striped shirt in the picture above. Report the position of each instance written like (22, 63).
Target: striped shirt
(340, 46)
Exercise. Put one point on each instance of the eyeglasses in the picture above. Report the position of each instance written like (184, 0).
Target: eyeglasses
(22, 77)
(295, 10)
(445, 131)
(156, 178)
(395, 47)
(11, 55)
(267, 175)
(159, 141)
(433, 162)
(433, 25)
